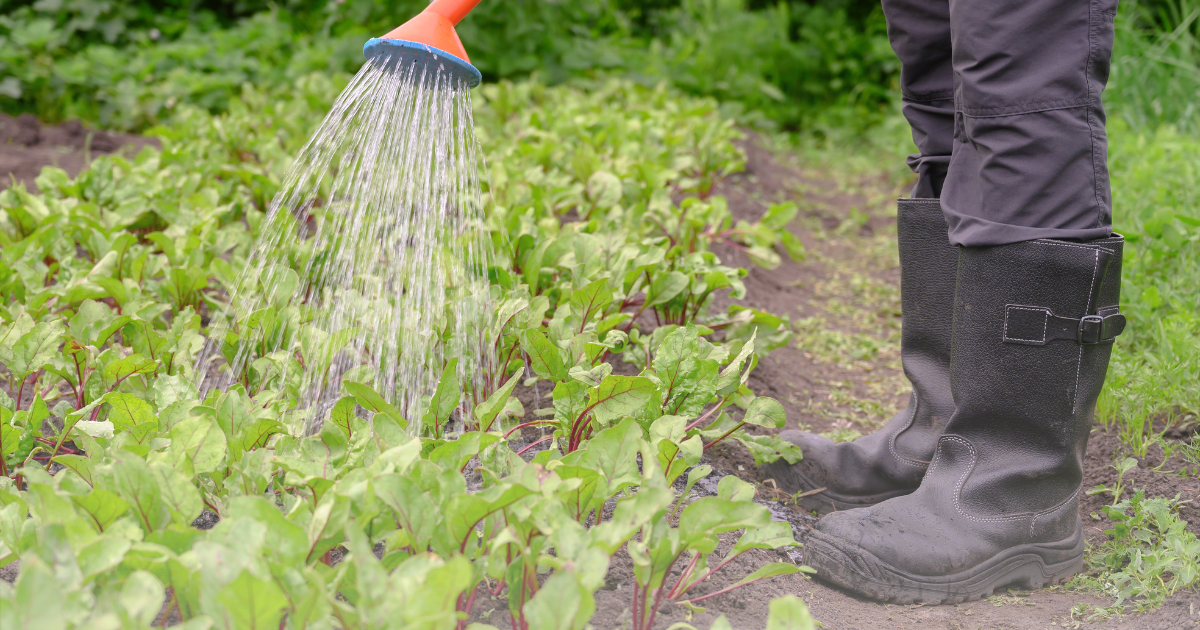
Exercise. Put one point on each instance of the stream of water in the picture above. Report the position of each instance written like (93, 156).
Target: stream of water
(371, 263)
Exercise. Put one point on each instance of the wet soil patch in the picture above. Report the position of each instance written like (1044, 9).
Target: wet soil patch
(27, 145)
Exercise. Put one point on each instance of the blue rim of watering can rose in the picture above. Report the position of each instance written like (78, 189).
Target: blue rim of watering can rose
(455, 65)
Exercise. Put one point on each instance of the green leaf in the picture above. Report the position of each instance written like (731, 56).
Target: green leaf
(695, 475)
(665, 287)
(252, 603)
(544, 357)
(200, 442)
(343, 415)
(604, 189)
(466, 510)
(94, 323)
(794, 247)
(446, 397)
(675, 357)
(82, 466)
(257, 434)
(38, 598)
(373, 402)
(789, 613)
(486, 411)
(773, 535)
(711, 516)
(766, 412)
(102, 555)
(169, 389)
(768, 448)
(178, 493)
(10, 436)
(629, 516)
(325, 530)
(390, 432)
(289, 542)
(35, 349)
(561, 604)
(414, 509)
(730, 378)
(141, 598)
(136, 484)
(589, 300)
(591, 377)
(613, 453)
(620, 396)
(128, 411)
(122, 369)
(100, 429)
(456, 453)
(101, 507)
(779, 215)
(731, 488)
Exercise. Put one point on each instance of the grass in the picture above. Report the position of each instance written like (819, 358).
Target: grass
(1154, 381)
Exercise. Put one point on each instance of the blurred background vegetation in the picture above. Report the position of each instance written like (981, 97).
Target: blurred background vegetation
(788, 64)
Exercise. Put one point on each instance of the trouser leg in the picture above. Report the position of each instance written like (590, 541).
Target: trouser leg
(919, 31)
(1030, 153)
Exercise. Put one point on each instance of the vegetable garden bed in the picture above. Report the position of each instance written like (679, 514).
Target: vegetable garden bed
(652, 298)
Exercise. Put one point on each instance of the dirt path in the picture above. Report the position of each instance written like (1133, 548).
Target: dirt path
(26, 146)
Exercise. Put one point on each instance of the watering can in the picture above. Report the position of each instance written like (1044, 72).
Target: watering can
(429, 40)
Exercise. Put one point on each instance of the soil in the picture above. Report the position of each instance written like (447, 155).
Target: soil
(27, 145)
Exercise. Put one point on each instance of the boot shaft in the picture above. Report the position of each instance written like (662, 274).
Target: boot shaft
(1034, 324)
(927, 278)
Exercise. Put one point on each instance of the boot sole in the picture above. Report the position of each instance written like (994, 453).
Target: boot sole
(1026, 566)
(823, 503)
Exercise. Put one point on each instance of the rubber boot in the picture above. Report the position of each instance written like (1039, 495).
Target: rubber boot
(1033, 329)
(891, 461)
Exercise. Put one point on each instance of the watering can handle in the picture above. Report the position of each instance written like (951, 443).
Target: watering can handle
(453, 10)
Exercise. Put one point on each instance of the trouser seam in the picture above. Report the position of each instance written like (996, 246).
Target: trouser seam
(1087, 80)
(1074, 105)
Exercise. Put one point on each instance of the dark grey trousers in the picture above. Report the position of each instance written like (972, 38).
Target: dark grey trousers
(1004, 101)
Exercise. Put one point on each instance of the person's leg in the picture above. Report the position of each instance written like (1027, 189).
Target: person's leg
(919, 31)
(1030, 150)
(1035, 315)
(892, 461)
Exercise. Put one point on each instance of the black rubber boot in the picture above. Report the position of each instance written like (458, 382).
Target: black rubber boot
(1033, 330)
(890, 462)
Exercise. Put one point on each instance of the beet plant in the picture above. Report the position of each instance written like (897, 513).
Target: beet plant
(130, 497)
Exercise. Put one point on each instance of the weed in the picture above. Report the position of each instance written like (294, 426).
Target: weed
(1150, 556)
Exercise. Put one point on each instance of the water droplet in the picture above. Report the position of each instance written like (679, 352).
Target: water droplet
(372, 261)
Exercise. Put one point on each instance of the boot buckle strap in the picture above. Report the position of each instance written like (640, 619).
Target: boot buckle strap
(1038, 325)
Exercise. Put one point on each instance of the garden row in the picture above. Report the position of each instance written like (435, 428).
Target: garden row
(112, 280)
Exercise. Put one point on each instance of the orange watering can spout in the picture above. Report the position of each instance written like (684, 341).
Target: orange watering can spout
(430, 39)
(453, 10)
